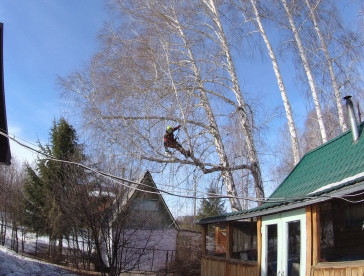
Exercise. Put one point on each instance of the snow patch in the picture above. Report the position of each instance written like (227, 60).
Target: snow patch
(13, 264)
(332, 185)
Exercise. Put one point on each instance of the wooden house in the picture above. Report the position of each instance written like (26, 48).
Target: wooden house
(5, 155)
(312, 224)
(148, 235)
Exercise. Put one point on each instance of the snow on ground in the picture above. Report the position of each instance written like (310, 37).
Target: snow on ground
(13, 264)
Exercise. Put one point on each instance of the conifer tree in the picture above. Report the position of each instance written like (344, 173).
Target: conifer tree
(35, 200)
(49, 187)
(212, 205)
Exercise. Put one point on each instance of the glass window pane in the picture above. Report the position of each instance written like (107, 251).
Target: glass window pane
(342, 230)
(272, 249)
(294, 248)
(216, 240)
(245, 240)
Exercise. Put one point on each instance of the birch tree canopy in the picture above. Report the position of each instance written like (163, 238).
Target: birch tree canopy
(156, 70)
(168, 63)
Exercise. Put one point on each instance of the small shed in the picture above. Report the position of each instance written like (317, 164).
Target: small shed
(148, 237)
(312, 224)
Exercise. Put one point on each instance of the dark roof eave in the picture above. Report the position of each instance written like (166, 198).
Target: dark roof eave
(285, 207)
(5, 154)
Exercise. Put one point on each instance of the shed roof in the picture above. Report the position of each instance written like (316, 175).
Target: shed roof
(332, 169)
(133, 191)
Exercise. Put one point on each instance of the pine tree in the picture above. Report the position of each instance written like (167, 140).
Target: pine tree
(48, 189)
(212, 205)
(35, 201)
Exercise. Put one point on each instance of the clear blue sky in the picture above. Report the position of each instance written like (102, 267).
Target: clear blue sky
(43, 39)
(46, 38)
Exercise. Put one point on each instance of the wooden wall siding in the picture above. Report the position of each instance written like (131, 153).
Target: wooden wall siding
(259, 242)
(309, 239)
(315, 234)
(337, 271)
(229, 241)
(203, 236)
(214, 267)
(236, 269)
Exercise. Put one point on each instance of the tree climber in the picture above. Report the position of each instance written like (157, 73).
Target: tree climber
(171, 142)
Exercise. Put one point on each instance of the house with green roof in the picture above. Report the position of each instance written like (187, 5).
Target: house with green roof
(312, 224)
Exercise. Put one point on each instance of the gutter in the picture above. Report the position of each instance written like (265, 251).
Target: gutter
(287, 206)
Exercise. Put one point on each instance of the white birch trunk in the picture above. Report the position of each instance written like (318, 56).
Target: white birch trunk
(226, 174)
(308, 72)
(287, 106)
(247, 128)
(330, 67)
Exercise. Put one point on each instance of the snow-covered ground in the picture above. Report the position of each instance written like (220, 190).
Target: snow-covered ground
(15, 264)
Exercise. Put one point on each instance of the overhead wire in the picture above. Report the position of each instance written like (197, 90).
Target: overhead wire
(107, 175)
(122, 181)
(101, 173)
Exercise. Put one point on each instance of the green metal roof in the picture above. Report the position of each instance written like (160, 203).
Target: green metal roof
(331, 166)
(332, 162)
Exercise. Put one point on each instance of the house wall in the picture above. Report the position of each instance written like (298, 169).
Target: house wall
(218, 266)
(159, 248)
(146, 250)
(315, 265)
(342, 269)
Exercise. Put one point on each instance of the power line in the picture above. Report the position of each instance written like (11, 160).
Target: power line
(122, 181)
(119, 179)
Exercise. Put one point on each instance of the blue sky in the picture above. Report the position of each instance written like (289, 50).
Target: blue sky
(43, 39)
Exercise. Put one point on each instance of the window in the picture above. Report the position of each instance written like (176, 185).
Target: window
(243, 235)
(216, 240)
(341, 230)
(146, 205)
(244, 240)
(146, 213)
(272, 249)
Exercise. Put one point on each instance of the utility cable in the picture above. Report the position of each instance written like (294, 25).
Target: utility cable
(122, 181)
(119, 179)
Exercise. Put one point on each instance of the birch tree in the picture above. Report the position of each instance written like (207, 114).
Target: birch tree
(153, 79)
(227, 175)
(329, 62)
(337, 52)
(213, 12)
(257, 20)
(306, 65)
